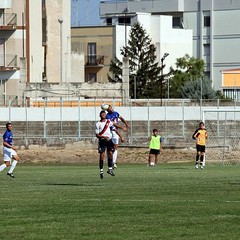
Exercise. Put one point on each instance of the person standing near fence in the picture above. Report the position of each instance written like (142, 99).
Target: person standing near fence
(200, 135)
(9, 151)
(155, 146)
(114, 117)
(104, 129)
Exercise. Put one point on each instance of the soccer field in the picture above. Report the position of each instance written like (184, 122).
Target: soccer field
(170, 201)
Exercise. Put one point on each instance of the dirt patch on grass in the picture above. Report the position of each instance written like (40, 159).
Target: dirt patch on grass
(89, 154)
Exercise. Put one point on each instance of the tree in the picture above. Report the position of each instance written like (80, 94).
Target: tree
(142, 64)
(197, 89)
(187, 69)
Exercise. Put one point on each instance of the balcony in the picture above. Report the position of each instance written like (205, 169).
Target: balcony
(94, 61)
(8, 21)
(8, 62)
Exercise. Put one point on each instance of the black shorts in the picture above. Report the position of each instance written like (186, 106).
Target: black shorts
(103, 144)
(154, 151)
(200, 148)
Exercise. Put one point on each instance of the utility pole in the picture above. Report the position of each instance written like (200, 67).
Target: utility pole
(162, 66)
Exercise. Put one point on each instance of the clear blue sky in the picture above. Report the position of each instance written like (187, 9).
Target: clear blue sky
(85, 12)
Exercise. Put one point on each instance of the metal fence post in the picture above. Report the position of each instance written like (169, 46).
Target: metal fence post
(79, 118)
(183, 119)
(61, 124)
(131, 128)
(44, 119)
(148, 117)
(95, 111)
(9, 109)
(218, 130)
(26, 119)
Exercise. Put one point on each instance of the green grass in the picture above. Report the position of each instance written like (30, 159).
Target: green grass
(170, 201)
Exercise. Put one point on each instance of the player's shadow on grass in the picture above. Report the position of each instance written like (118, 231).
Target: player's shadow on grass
(73, 184)
(176, 168)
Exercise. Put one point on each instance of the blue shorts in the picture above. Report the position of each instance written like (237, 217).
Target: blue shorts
(103, 144)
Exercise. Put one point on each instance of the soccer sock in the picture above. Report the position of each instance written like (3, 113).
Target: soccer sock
(197, 157)
(201, 159)
(13, 165)
(3, 166)
(115, 153)
(110, 163)
(100, 164)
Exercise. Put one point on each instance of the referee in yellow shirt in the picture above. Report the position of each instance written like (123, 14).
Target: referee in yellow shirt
(200, 135)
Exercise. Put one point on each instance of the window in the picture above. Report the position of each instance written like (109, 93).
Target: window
(206, 49)
(92, 77)
(207, 74)
(2, 52)
(207, 21)
(177, 22)
(109, 21)
(92, 53)
(124, 20)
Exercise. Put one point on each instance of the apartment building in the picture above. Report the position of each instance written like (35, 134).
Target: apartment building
(34, 45)
(100, 44)
(231, 83)
(12, 48)
(97, 45)
(215, 25)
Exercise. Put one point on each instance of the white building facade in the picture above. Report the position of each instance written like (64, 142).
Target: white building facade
(215, 25)
(174, 42)
(35, 45)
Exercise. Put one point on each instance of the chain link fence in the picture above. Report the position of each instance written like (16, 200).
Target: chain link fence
(56, 121)
(223, 126)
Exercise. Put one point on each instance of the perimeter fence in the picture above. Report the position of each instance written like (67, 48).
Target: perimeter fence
(64, 119)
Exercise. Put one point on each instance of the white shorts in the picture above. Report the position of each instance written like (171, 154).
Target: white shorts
(8, 153)
(115, 138)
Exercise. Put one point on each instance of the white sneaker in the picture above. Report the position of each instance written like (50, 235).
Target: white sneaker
(114, 165)
(202, 167)
(196, 166)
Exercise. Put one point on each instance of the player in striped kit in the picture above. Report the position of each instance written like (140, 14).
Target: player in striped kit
(104, 129)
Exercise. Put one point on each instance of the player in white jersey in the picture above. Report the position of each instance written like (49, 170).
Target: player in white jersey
(104, 129)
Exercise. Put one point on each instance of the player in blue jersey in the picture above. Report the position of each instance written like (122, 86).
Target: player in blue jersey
(114, 117)
(9, 151)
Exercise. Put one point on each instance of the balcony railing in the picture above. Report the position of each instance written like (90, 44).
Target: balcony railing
(95, 60)
(8, 62)
(8, 21)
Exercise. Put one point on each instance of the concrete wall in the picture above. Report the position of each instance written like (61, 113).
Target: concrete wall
(59, 126)
(77, 68)
(92, 113)
(53, 91)
(58, 40)
(36, 61)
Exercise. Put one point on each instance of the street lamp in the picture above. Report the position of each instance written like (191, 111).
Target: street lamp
(125, 24)
(162, 66)
(60, 20)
